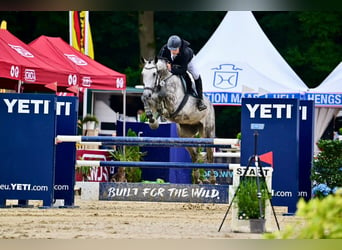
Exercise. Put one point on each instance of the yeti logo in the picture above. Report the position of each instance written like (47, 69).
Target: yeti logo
(226, 76)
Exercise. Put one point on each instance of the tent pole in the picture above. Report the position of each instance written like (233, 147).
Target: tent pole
(124, 113)
(85, 101)
(19, 86)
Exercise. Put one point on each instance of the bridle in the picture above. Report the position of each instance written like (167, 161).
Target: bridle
(152, 88)
(158, 80)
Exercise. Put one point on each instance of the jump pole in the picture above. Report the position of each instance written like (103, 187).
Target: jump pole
(150, 141)
(152, 164)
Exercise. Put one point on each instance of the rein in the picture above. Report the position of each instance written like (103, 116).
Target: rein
(183, 102)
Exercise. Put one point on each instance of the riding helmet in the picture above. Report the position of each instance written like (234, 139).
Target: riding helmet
(174, 42)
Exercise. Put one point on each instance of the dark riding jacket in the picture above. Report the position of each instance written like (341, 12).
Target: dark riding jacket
(179, 65)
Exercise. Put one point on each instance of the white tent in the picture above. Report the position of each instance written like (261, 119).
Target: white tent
(239, 58)
(333, 82)
(328, 100)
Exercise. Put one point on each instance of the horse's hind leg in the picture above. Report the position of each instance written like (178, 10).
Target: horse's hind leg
(208, 131)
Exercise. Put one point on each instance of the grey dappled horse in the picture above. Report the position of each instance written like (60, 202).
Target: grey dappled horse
(164, 95)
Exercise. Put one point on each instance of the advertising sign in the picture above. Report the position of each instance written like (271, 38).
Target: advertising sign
(163, 192)
(306, 147)
(66, 110)
(27, 133)
(271, 127)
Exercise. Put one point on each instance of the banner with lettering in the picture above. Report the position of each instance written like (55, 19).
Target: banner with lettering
(272, 125)
(67, 111)
(27, 134)
(163, 192)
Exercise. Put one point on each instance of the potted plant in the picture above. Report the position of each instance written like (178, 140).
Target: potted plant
(91, 121)
(251, 206)
(82, 172)
(127, 153)
(238, 136)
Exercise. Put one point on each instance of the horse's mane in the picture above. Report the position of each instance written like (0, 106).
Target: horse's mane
(163, 58)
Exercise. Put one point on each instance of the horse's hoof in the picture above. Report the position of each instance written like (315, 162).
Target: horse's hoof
(154, 125)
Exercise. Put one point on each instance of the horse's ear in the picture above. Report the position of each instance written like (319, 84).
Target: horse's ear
(143, 60)
(155, 59)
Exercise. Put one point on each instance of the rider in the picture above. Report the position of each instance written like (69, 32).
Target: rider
(180, 56)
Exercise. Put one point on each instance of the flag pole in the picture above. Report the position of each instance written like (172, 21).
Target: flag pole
(70, 26)
(86, 27)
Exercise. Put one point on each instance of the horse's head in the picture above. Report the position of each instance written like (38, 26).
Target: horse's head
(150, 78)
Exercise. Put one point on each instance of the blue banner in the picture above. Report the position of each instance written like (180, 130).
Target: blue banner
(306, 147)
(27, 133)
(67, 113)
(271, 127)
(325, 99)
(234, 98)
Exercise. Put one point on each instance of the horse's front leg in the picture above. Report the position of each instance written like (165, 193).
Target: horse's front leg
(196, 173)
(162, 111)
(210, 159)
(147, 101)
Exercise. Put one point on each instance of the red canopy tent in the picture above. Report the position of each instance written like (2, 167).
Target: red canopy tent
(20, 62)
(92, 74)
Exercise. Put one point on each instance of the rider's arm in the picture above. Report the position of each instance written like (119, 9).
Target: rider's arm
(180, 65)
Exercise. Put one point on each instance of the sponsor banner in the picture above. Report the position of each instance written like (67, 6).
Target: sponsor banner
(234, 98)
(66, 111)
(272, 125)
(27, 153)
(222, 176)
(325, 99)
(163, 192)
(306, 147)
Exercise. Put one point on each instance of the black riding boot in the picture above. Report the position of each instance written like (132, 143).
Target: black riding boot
(188, 83)
(200, 104)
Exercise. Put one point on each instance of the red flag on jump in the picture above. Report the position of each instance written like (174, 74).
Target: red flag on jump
(267, 157)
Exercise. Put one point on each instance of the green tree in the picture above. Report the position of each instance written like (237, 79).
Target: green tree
(327, 167)
(309, 41)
